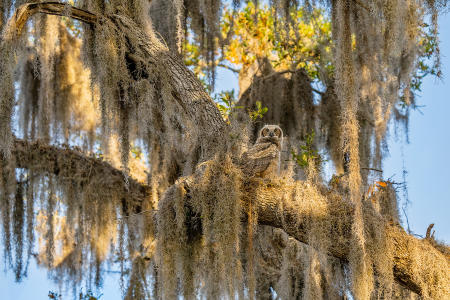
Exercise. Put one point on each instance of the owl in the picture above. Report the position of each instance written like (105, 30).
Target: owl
(263, 158)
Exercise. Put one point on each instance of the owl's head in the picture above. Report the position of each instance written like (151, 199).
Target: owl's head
(271, 133)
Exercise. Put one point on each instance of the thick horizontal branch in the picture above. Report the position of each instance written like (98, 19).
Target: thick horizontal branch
(418, 265)
(69, 164)
(234, 70)
(409, 253)
(411, 270)
(297, 220)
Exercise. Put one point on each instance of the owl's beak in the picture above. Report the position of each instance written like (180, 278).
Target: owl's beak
(271, 134)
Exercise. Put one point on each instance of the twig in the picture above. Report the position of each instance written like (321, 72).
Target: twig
(372, 169)
(428, 234)
(278, 73)
(228, 68)
(317, 91)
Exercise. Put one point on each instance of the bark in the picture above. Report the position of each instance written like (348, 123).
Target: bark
(406, 269)
(70, 164)
(409, 252)
(25, 11)
(187, 90)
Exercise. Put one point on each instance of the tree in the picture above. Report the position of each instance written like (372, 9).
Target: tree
(192, 224)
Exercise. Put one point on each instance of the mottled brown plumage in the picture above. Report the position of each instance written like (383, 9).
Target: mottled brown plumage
(263, 158)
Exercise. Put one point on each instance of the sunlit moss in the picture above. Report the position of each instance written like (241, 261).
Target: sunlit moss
(107, 96)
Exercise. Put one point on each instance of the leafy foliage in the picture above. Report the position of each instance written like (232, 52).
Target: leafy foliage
(226, 103)
(305, 42)
(253, 34)
(308, 154)
(258, 112)
(426, 65)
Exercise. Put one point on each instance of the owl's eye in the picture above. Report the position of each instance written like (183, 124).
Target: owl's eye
(277, 132)
(265, 132)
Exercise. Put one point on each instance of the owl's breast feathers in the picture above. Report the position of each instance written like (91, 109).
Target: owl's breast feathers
(269, 139)
(259, 158)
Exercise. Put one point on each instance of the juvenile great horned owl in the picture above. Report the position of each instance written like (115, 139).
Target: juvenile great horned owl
(263, 158)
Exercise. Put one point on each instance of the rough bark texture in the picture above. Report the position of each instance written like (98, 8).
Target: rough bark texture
(408, 270)
(25, 11)
(270, 213)
(65, 162)
(187, 89)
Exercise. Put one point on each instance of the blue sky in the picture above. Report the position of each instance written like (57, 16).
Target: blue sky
(425, 159)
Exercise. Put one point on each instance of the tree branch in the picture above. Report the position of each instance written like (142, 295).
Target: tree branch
(418, 265)
(25, 11)
(372, 169)
(266, 197)
(408, 251)
(225, 66)
(70, 164)
(187, 90)
(428, 234)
